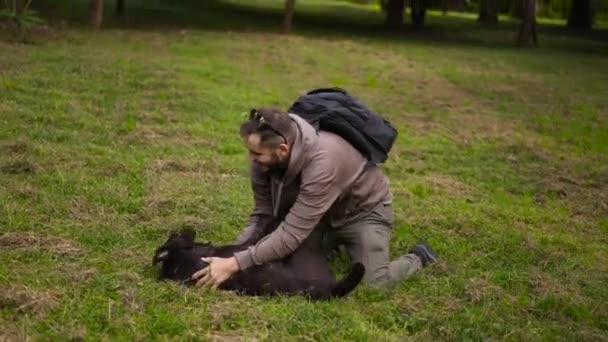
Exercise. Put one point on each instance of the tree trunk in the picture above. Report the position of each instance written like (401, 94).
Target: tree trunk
(456, 5)
(452, 5)
(418, 13)
(517, 9)
(580, 15)
(288, 15)
(19, 7)
(488, 12)
(394, 13)
(527, 31)
(96, 13)
(120, 7)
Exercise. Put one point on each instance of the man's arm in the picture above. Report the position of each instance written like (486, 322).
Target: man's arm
(318, 191)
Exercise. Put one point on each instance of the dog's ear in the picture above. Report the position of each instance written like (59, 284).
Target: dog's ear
(173, 235)
(188, 235)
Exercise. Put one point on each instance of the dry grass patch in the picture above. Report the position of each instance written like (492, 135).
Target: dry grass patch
(82, 210)
(449, 185)
(11, 332)
(79, 274)
(28, 240)
(161, 135)
(17, 147)
(545, 284)
(27, 300)
(586, 193)
(18, 168)
(482, 290)
(171, 165)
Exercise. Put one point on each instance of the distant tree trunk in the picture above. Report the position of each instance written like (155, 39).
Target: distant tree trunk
(517, 9)
(527, 31)
(394, 13)
(120, 7)
(451, 5)
(19, 7)
(580, 15)
(418, 13)
(456, 5)
(96, 13)
(288, 15)
(488, 12)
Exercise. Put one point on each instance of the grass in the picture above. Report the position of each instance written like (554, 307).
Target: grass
(108, 140)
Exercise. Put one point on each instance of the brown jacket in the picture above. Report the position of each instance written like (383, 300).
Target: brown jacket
(326, 178)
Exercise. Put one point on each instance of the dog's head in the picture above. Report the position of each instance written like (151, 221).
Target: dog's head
(181, 257)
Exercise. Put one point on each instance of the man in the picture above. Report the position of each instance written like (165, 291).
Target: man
(315, 181)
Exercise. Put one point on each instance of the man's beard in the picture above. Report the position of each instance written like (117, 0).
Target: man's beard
(276, 168)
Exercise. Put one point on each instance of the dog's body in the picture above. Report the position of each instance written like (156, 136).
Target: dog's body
(304, 272)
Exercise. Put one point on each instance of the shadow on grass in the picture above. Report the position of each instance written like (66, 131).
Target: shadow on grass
(338, 20)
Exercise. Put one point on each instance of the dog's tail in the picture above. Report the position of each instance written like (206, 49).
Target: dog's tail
(349, 282)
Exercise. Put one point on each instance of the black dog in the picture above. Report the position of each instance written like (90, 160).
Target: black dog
(304, 272)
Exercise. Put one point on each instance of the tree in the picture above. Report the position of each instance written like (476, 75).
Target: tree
(488, 12)
(580, 15)
(527, 30)
(120, 7)
(288, 15)
(517, 9)
(394, 13)
(418, 12)
(452, 5)
(96, 13)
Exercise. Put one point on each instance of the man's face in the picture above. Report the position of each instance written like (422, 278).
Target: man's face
(269, 158)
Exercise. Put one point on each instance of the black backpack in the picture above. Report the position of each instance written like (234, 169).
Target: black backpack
(336, 111)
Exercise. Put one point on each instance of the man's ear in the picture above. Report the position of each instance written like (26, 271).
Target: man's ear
(284, 149)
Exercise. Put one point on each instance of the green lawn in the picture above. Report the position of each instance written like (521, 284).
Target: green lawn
(108, 140)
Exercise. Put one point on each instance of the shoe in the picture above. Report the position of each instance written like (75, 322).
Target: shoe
(425, 253)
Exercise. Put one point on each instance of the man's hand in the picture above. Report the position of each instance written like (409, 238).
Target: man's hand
(218, 271)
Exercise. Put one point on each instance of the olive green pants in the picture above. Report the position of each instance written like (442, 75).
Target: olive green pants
(367, 241)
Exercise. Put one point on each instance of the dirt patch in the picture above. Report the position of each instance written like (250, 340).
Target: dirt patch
(113, 169)
(129, 297)
(449, 185)
(229, 337)
(84, 275)
(586, 193)
(185, 191)
(26, 300)
(544, 284)
(10, 332)
(578, 182)
(77, 273)
(15, 148)
(84, 211)
(160, 205)
(18, 167)
(481, 289)
(29, 240)
(26, 191)
(447, 109)
(168, 165)
(145, 134)
(149, 134)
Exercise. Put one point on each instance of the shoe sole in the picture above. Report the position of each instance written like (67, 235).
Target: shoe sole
(428, 253)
